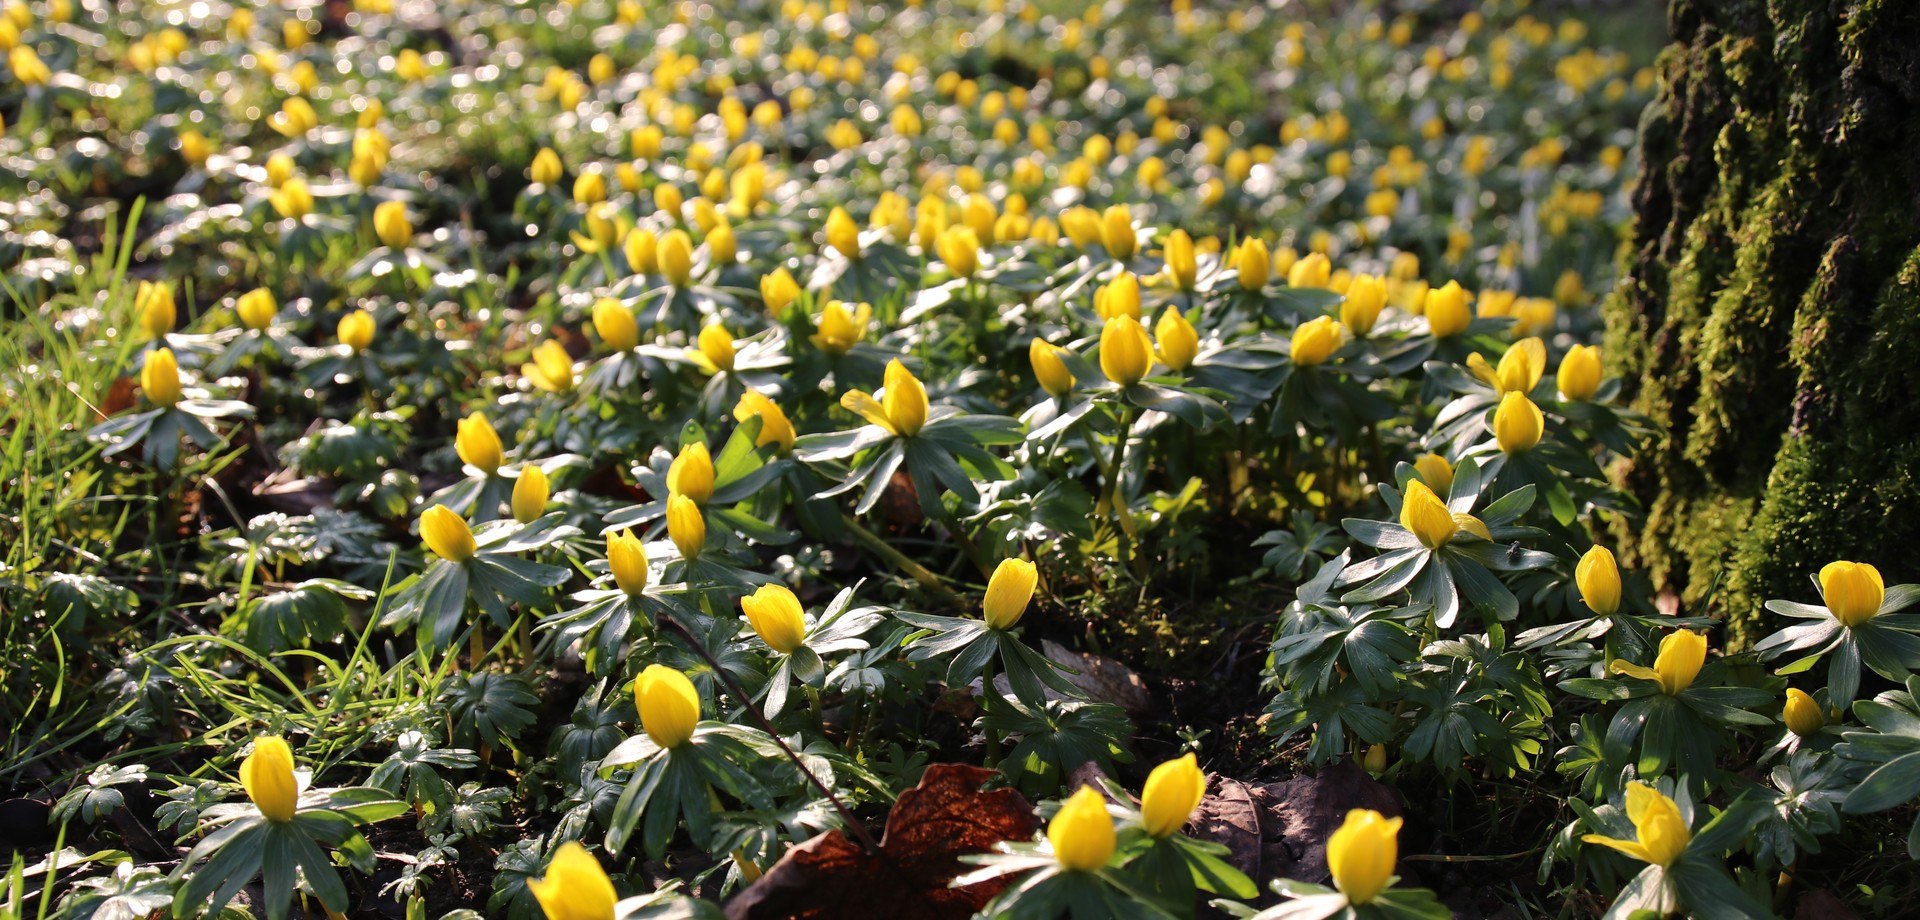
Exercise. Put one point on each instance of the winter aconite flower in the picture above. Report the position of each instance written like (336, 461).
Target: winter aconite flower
(1802, 713)
(959, 248)
(841, 328)
(1853, 591)
(1598, 578)
(1661, 835)
(478, 444)
(1081, 832)
(1435, 471)
(691, 473)
(356, 330)
(530, 494)
(778, 289)
(686, 527)
(1423, 513)
(842, 233)
(1579, 375)
(551, 368)
(775, 428)
(1682, 654)
(1008, 593)
(775, 615)
(1517, 423)
(716, 352)
(267, 775)
(546, 168)
(1314, 341)
(447, 534)
(669, 705)
(1125, 351)
(256, 308)
(575, 887)
(1182, 265)
(153, 302)
(1446, 310)
(1366, 297)
(160, 378)
(674, 255)
(1361, 853)
(1173, 790)
(1116, 232)
(1048, 369)
(1179, 342)
(627, 560)
(615, 324)
(1312, 271)
(390, 223)
(1119, 297)
(1254, 262)
(902, 406)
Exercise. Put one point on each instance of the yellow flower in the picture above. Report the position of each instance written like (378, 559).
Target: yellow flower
(1375, 761)
(1315, 340)
(195, 149)
(1116, 232)
(615, 324)
(1081, 832)
(1579, 373)
(642, 249)
(546, 168)
(530, 494)
(722, 246)
(1311, 271)
(1361, 854)
(1598, 577)
(355, 330)
(160, 378)
(1436, 472)
(575, 887)
(1173, 790)
(840, 328)
(280, 168)
(1518, 423)
(669, 706)
(551, 368)
(959, 247)
(1520, 368)
(1423, 513)
(685, 526)
(1802, 714)
(674, 254)
(627, 560)
(256, 308)
(775, 428)
(842, 233)
(716, 353)
(27, 66)
(1048, 368)
(1446, 310)
(778, 289)
(1178, 341)
(295, 118)
(478, 444)
(1366, 297)
(153, 301)
(1682, 654)
(390, 223)
(447, 534)
(1182, 264)
(267, 775)
(1119, 297)
(1661, 834)
(589, 187)
(1853, 591)
(1254, 262)
(1008, 593)
(691, 473)
(1081, 224)
(1126, 353)
(776, 617)
(902, 408)
(292, 200)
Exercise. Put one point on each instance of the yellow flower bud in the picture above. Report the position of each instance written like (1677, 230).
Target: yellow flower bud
(355, 330)
(160, 378)
(1119, 297)
(1081, 225)
(1579, 373)
(1315, 340)
(153, 301)
(447, 534)
(1518, 423)
(1179, 342)
(27, 66)
(1312, 271)
(1366, 297)
(547, 168)
(1116, 232)
(674, 254)
(615, 325)
(1682, 654)
(551, 369)
(775, 428)
(691, 473)
(642, 250)
(1446, 310)
(840, 328)
(390, 223)
(1081, 832)
(267, 776)
(1853, 591)
(1598, 578)
(716, 352)
(776, 617)
(292, 200)
(280, 168)
(842, 234)
(905, 400)
(959, 247)
(1375, 761)
(256, 308)
(722, 247)
(778, 290)
(1436, 472)
(1008, 593)
(575, 887)
(1361, 854)
(530, 494)
(1173, 790)
(627, 560)
(1182, 264)
(1423, 513)
(686, 527)
(1125, 351)
(669, 705)
(1662, 835)
(1048, 369)
(478, 444)
(1520, 368)
(195, 149)
(1254, 263)
(1802, 714)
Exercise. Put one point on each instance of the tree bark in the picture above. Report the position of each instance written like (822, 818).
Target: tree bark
(1768, 318)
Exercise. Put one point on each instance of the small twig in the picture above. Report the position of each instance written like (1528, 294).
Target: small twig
(853, 824)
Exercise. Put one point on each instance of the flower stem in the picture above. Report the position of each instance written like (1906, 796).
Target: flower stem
(987, 692)
(899, 560)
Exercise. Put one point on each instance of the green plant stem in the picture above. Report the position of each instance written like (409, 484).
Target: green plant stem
(1122, 516)
(987, 692)
(814, 706)
(899, 560)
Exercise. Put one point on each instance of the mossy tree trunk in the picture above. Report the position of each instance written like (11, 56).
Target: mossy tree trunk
(1769, 314)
